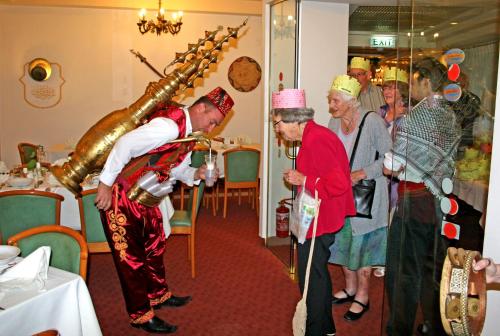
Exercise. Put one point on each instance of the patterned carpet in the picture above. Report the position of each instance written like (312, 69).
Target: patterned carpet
(241, 288)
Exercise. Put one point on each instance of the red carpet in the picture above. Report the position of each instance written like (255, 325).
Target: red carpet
(241, 288)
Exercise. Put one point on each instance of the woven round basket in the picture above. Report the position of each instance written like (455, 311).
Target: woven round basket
(463, 294)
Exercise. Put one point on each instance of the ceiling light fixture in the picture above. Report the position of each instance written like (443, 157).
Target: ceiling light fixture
(161, 25)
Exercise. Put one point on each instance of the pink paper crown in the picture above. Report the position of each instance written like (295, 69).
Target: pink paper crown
(289, 98)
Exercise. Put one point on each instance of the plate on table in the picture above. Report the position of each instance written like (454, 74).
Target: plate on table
(8, 254)
(19, 182)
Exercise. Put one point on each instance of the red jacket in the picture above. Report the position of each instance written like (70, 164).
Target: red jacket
(322, 155)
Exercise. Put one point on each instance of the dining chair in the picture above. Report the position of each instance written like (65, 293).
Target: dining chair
(69, 250)
(197, 160)
(91, 225)
(241, 171)
(183, 222)
(25, 209)
(27, 151)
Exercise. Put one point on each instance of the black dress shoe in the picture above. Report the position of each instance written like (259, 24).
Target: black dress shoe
(174, 301)
(156, 326)
(352, 316)
(348, 298)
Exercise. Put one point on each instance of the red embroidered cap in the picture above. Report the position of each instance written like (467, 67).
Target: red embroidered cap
(220, 99)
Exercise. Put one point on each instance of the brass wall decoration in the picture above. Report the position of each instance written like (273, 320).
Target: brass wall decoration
(93, 148)
(244, 74)
(42, 82)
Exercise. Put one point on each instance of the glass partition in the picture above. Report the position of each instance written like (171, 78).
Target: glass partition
(282, 74)
(442, 151)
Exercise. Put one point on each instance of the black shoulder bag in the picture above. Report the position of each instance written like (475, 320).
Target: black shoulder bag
(364, 190)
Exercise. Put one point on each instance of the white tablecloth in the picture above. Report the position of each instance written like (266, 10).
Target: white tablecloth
(474, 193)
(64, 304)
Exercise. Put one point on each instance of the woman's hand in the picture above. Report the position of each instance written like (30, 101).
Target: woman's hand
(293, 177)
(357, 176)
(103, 197)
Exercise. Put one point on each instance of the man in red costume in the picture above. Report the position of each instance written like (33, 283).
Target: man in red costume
(139, 172)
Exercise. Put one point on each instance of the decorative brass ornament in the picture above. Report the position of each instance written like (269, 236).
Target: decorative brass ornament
(42, 83)
(40, 69)
(93, 148)
(462, 294)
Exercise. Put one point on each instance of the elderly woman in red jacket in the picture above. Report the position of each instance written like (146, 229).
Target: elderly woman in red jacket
(322, 165)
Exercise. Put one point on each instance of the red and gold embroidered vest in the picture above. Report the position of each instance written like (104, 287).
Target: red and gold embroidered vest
(159, 160)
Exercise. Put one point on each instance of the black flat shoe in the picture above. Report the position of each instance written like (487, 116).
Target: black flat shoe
(352, 316)
(156, 326)
(348, 298)
(174, 301)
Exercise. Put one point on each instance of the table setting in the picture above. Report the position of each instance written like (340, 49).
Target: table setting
(51, 298)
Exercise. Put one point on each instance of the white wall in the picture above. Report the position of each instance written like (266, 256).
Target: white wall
(324, 31)
(491, 246)
(92, 46)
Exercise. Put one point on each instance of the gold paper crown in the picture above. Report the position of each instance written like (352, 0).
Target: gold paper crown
(346, 84)
(360, 63)
(393, 73)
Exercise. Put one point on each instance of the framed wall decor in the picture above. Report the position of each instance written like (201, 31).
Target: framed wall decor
(244, 74)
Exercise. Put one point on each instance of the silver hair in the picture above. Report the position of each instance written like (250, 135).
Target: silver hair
(289, 115)
(351, 101)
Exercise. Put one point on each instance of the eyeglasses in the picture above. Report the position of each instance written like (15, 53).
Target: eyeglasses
(276, 123)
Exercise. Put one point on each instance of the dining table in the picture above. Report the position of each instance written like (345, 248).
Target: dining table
(63, 304)
(70, 215)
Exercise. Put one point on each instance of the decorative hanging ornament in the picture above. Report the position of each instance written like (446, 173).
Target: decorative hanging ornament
(449, 206)
(452, 92)
(453, 72)
(450, 230)
(447, 185)
(454, 56)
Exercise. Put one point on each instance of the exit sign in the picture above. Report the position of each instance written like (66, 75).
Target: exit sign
(383, 41)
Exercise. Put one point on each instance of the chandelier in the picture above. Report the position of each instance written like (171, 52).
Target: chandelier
(161, 25)
(284, 26)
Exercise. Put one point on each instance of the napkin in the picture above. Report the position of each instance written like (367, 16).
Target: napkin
(167, 211)
(32, 270)
(3, 167)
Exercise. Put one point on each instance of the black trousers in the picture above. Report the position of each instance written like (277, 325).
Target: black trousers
(415, 256)
(319, 296)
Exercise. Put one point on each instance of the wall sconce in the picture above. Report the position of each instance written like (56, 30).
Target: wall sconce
(162, 25)
(40, 69)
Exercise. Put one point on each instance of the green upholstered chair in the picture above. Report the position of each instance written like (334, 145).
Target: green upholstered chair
(27, 151)
(24, 209)
(241, 171)
(69, 250)
(91, 224)
(183, 222)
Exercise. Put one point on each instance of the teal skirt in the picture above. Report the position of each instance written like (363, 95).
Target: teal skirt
(356, 252)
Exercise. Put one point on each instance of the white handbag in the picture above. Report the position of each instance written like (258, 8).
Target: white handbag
(300, 316)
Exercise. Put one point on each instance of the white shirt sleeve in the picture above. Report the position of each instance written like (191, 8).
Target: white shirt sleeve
(136, 143)
(184, 172)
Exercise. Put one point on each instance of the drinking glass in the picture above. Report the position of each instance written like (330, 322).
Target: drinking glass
(210, 173)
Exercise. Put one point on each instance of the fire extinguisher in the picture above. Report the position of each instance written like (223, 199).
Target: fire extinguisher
(282, 219)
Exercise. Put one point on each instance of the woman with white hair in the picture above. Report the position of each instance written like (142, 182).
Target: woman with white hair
(362, 242)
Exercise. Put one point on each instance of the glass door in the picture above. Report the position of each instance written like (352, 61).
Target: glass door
(283, 74)
(445, 144)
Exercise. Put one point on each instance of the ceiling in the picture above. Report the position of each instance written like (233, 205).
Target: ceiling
(243, 7)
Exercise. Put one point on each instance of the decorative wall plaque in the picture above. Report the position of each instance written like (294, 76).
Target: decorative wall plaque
(42, 82)
(244, 74)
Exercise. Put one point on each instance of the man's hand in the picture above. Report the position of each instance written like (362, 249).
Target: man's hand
(200, 173)
(103, 198)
